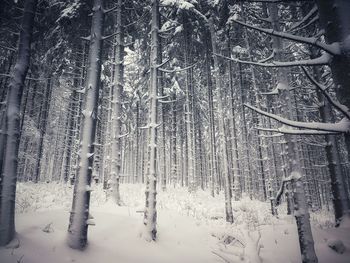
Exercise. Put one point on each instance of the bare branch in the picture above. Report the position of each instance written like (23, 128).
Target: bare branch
(106, 11)
(8, 48)
(163, 63)
(111, 35)
(88, 38)
(5, 75)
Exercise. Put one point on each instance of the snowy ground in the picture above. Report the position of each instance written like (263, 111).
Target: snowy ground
(191, 229)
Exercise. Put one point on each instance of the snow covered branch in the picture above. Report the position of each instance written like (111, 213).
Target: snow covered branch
(284, 130)
(342, 126)
(324, 59)
(333, 49)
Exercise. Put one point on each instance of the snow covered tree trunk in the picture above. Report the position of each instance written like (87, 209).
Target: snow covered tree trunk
(4, 91)
(70, 131)
(190, 134)
(150, 214)
(236, 188)
(118, 82)
(302, 218)
(246, 165)
(200, 150)
(137, 135)
(162, 157)
(335, 20)
(301, 212)
(42, 127)
(79, 217)
(174, 141)
(12, 125)
(212, 144)
(260, 155)
(222, 142)
(340, 199)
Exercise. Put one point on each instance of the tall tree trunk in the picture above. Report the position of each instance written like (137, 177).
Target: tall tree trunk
(12, 125)
(236, 188)
(43, 125)
(79, 217)
(302, 215)
(212, 144)
(118, 82)
(150, 215)
(221, 117)
(335, 20)
(174, 141)
(74, 110)
(340, 199)
(191, 167)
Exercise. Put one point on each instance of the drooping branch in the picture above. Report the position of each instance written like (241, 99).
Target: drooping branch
(333, 49)
(340, 107)
(324, 59)
(342, 126)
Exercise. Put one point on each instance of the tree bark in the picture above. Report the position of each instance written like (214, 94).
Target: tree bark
(301, 213)
(221, 117)
(12, 125)
(79, 217)
(42, 127)
(150, 214)
(118, 82)
(335, 20)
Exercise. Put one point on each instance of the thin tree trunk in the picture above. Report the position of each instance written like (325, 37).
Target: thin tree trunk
(213, 169)
(174, 141)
